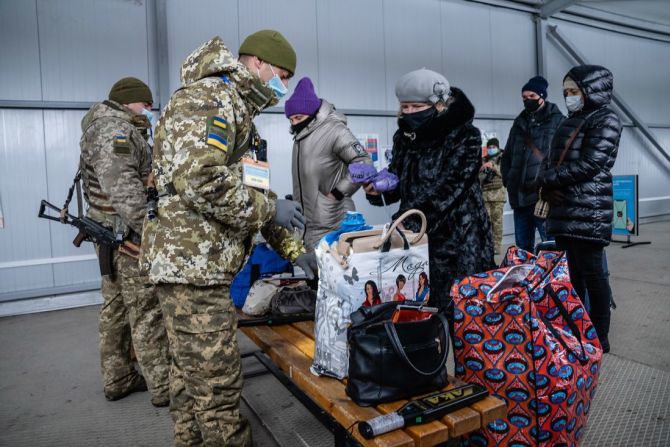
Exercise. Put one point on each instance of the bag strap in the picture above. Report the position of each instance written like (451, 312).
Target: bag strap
(583, 359)
(531, 144)
(399, 220)
(571, 140)
(387, 245)
(397, 346)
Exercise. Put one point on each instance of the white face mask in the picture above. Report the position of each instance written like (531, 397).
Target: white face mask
(574, 103)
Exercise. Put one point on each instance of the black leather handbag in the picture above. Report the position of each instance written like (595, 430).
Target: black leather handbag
(391, 360)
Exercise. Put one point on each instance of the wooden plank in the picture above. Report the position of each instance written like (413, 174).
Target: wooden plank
(326, 392)
(297, 339)
(306, 327)
(490, 409)
(462, 421)
(424, 435)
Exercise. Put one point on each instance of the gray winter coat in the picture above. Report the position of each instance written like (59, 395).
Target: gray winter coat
(321, 153)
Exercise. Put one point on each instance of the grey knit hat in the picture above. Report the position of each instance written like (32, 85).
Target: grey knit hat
(422, 85)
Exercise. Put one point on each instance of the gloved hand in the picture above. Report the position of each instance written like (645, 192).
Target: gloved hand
(307, 262)
(385, 181)
(362, 172)
(288, 214)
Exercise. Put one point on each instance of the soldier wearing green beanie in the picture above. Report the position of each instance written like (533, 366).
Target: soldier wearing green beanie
(208, 213)
(271, 47)
(115, 164)
(130, 90)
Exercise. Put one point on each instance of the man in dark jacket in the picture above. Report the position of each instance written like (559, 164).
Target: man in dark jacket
(577, 182)
(527, 146)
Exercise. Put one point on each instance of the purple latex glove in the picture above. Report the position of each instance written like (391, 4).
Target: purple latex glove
(385, 181)
(362, 172)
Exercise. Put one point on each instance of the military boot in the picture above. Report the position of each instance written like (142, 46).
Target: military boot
(137, 385)
(158, 401)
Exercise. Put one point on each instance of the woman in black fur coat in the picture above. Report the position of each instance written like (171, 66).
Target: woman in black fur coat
(437, 156)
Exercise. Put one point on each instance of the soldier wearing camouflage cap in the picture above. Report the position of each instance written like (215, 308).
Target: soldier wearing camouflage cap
(115, 164)
(208, 215)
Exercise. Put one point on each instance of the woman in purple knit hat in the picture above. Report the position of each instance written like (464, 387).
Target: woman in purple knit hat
(322, 150)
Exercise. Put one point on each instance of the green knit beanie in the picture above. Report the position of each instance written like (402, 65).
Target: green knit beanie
(129, 90)
(272, 47)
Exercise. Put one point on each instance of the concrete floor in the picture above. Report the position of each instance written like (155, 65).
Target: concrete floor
(50, 390)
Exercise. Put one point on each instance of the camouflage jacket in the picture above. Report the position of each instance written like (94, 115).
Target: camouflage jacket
(115, 163)
(207, 218)
(491, 181)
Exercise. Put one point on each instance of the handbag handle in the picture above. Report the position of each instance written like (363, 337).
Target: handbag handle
(397, 346)
(399, 220)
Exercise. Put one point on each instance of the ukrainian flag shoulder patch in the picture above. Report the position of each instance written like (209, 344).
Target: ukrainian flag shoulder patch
(121, 145)
(217, 132)
(217, 141)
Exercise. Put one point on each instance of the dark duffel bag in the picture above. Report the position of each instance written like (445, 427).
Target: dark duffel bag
(293, 299)
(396, 350)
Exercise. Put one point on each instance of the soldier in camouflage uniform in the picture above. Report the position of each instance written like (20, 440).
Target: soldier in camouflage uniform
(207, 219)
(115, 164)
(494, 192)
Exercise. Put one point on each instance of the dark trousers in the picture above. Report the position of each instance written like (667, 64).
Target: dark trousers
(525, 224)
(588, 275)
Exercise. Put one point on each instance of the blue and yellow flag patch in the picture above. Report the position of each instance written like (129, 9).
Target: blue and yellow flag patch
(217, 132)
(217, 141)
(219, 122)
(121, 139)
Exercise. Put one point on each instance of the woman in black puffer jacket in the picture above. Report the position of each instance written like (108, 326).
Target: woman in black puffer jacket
(579, 187)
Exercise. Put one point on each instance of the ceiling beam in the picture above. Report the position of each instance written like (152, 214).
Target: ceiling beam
(553, 6)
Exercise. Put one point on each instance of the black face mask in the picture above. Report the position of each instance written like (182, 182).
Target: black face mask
(297, 128)
(411, 122)
(531, 104)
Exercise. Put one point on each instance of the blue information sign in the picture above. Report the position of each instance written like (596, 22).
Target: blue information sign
(625, 195)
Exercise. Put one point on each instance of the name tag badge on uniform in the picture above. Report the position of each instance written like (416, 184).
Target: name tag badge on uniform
(256, 174)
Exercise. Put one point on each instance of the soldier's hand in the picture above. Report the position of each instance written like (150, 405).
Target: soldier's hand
(307, 262)
(288, 214)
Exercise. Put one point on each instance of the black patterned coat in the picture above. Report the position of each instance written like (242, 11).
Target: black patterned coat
(438, 168)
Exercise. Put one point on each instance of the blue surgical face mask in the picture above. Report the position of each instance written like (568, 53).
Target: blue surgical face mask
(150, 131)
(492, 151)
(277, 86)
(150, 116)
(574, 103)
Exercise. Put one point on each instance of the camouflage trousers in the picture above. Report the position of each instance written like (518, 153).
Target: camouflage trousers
(495, 210)
(131, 314)
(206, 372)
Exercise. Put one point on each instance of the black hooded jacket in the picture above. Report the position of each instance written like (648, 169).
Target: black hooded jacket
(521, 165)
(584, 177)
(438, 167)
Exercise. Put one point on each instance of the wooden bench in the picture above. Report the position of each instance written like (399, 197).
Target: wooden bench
(291, 349)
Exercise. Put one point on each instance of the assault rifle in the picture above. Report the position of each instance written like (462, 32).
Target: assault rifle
(89, 229)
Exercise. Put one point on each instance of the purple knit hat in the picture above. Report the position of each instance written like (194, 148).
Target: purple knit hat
(303, 101)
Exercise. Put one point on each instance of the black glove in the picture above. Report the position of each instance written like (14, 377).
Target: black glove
(553, 196)
(288, 214)
(307, 262)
